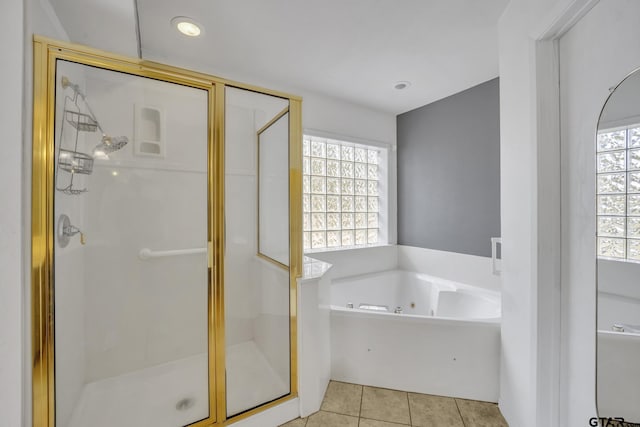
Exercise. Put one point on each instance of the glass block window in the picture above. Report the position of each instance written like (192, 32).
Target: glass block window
(618, 193)
(341, 193)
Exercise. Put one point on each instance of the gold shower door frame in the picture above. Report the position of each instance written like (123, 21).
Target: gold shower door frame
(46, 53)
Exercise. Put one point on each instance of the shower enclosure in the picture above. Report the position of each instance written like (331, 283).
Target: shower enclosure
(163, 255)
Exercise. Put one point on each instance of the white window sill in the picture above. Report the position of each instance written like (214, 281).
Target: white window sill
(627, 260)
(346, 248)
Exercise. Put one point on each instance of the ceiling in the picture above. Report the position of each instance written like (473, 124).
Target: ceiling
(354, 50)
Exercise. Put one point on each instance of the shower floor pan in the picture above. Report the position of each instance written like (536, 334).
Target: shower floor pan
(148, 397)
(251, 380)
(175, 394)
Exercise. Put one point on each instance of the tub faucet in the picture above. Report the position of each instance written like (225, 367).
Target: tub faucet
(625, 327)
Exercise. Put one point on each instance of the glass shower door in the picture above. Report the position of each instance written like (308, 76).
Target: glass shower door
(132, 302)
(256, 270)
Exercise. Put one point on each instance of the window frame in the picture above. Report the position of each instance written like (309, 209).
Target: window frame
(384, 168)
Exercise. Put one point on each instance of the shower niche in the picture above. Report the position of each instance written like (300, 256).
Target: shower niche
(152, 303)
(149, 132)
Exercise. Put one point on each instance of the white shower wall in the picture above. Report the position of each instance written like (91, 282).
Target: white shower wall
(141, 313)
(272, 321)
(70, 269)
(241, 302)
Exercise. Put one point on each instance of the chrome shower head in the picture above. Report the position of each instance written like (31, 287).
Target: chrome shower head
(109, 144)
(113, 143)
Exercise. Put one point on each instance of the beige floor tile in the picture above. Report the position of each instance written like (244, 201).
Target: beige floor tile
(298, 422)
(480, 414)
(342, 398)
(385, 405)
(364, 422)
(329, 419)
(434, 411)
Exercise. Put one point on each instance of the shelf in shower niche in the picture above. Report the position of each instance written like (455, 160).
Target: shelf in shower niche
(80, 121)
(149, 131)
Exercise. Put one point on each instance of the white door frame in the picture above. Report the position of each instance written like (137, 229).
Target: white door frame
(551, 396)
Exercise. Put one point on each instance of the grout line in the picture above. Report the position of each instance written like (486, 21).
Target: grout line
(459, 412)
(361, 399)
(383, 421)
(338, 413)
(409, 408)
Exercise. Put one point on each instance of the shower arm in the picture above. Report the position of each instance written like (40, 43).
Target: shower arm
(66, 83)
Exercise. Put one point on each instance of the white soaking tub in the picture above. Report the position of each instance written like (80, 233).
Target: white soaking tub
(618, 356)
(409, 331)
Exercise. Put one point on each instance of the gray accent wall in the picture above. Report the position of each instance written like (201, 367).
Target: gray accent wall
(449, 172)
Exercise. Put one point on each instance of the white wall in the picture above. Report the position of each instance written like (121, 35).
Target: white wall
(328, 114)
(12, 309)
(529, 214)
(600, 50)
(19, 21)
(518, 184)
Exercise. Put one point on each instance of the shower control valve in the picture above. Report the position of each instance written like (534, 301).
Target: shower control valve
(66, 230)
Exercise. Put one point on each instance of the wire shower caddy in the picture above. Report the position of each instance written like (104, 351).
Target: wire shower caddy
(74, 161)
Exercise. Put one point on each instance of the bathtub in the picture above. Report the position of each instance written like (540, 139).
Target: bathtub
(618, 357)
(414, 332)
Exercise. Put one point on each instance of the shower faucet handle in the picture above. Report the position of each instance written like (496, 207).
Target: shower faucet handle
(71, 231)
(66, 231)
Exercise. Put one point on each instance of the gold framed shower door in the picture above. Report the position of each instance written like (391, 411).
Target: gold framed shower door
(46, 53)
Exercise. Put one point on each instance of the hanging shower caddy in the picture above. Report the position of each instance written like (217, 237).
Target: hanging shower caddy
(70, 160)
(74, 161)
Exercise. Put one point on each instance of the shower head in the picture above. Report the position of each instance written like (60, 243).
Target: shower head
(113, 143)
(109, 144)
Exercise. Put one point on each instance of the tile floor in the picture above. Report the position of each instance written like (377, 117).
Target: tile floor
(352, 405)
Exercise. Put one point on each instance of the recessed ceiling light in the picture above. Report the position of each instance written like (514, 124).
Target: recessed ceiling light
(187, 26)
(401, 85)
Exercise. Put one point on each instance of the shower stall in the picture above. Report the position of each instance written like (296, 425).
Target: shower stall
(165, 243)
